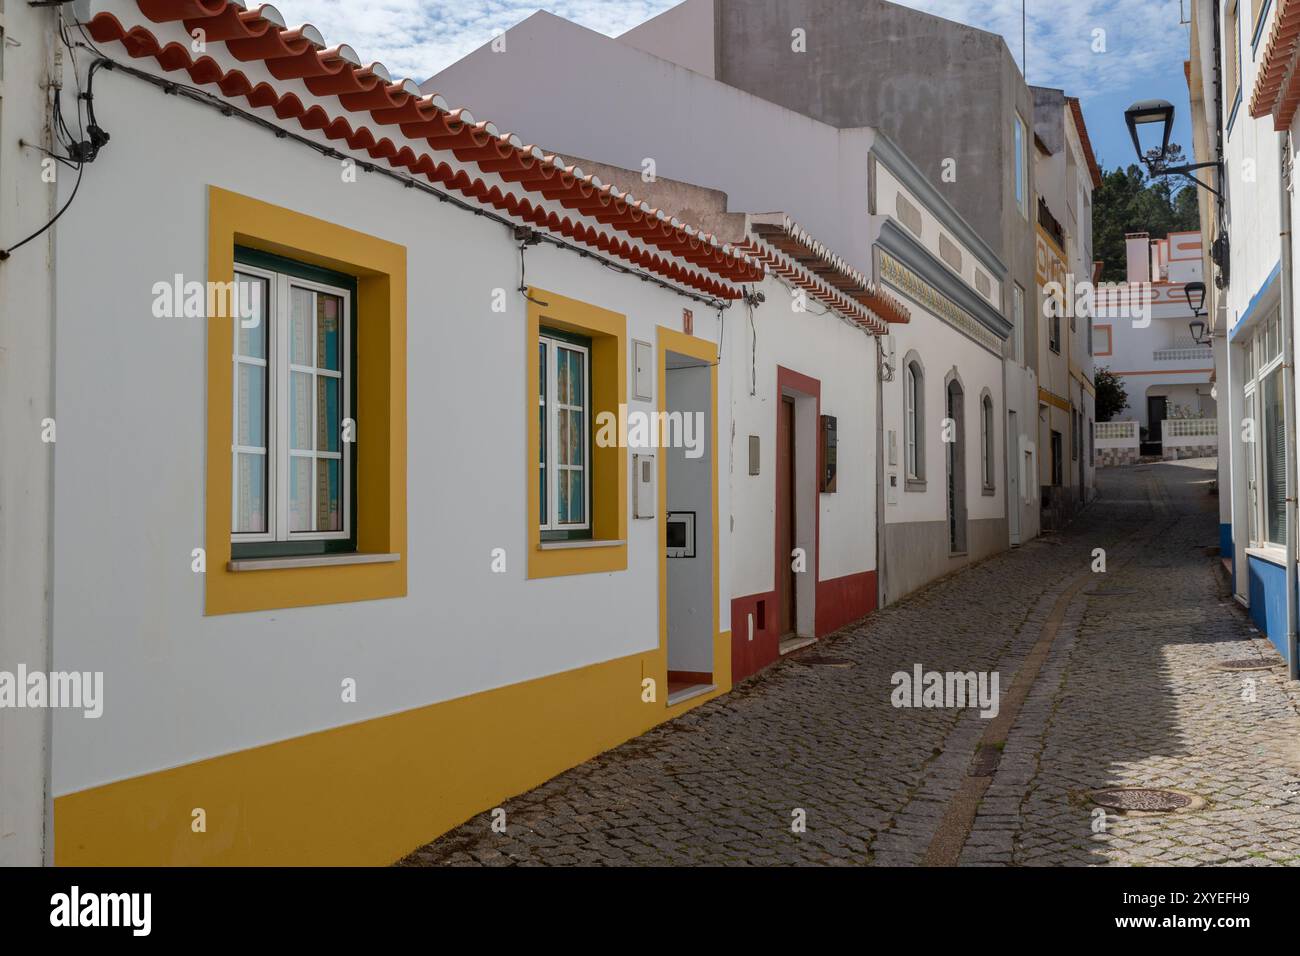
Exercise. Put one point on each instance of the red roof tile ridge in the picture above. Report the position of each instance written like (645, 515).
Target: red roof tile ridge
(300, 53)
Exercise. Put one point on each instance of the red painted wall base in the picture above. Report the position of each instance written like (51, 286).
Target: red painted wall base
(839, 602)
(844, 600)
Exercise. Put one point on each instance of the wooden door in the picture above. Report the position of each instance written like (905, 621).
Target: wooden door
(787, 613)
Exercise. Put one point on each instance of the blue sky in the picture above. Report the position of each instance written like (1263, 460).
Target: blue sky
(1144, 44)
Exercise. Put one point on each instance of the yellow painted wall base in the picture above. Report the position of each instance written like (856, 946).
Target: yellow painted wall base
(368, 793)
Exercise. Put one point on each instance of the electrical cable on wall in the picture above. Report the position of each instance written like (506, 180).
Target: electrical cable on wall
(194, 94)
(81, 148)
(527, 237)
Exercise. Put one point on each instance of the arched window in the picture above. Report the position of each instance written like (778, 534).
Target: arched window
(987, 443)
(914, 419)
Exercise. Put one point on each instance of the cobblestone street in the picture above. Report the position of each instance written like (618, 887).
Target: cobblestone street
(1106, 680)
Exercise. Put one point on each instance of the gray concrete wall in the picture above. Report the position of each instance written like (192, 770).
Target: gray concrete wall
(909, 74)
(916, 552)
(1049, 117)
(939, 89)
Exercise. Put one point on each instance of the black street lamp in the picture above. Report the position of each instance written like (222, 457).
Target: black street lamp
(1195, 292)
(1147, 113)
(1160, 115)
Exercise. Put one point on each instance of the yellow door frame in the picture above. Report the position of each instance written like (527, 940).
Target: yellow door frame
(670, 340)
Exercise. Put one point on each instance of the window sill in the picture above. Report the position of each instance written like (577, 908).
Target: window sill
(914, 484)
(576, 545)
(309, 561)
(988, 492)
(1273, 555)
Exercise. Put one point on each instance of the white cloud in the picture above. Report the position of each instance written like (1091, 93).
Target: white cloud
(417, 38)
(1143, 39)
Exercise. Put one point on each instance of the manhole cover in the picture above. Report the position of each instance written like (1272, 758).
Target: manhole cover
(817, 660)
(1145, 800)
(986, 761)
(1245, 664)
(1116, 593)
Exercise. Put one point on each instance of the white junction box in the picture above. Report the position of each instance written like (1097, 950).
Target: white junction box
(643, 379)
(643, 486)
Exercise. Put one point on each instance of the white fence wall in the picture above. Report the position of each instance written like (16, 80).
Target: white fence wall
(1190, 438)
(1115, 443)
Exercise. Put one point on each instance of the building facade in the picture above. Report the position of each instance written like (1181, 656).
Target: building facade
(1065, 175)
(802, 531)
(912, 242)
(392, 555)
(870, 63)
(1244, 85)
(1143, 336)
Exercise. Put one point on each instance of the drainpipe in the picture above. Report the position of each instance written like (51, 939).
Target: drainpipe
(881, 589)
(1288, 390)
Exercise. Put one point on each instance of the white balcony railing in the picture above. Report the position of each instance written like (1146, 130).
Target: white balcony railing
(1191, 431)
(1115, 434)
(1184, 355)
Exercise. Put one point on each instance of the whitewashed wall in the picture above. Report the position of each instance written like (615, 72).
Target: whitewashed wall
(941, 348)
(765, 157)
(130, 487)
(842, 357)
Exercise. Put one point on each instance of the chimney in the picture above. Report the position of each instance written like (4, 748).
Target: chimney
(1160, 260)
(1137, 245)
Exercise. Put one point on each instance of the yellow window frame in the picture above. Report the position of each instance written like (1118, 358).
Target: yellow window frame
(607, 549)
(380, 269)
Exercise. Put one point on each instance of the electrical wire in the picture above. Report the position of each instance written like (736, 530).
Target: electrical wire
(523, 269)
(75, 146)
(226, 108)
(753, 354)
(6, 253)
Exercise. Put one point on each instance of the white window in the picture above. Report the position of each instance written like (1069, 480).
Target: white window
(914, 417)
(1266, 459)
(564, 452)
(292, 479)
(1022, 167)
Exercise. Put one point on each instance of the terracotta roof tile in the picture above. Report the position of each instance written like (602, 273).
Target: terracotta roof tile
(371, 96)
(792, 253)
(1277, 84)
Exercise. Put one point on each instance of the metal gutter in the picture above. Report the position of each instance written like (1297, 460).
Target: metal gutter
(1288, 391)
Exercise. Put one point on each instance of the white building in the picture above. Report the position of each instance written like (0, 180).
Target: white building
(356, 547)
(855, 191)
(1143, 336)
(1065, 173)
(1244, 85)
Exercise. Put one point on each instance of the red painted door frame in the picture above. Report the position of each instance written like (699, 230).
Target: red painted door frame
(789, 381)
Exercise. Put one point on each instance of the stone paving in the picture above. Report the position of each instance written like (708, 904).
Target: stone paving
(1125, 697)
(1130, 697)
